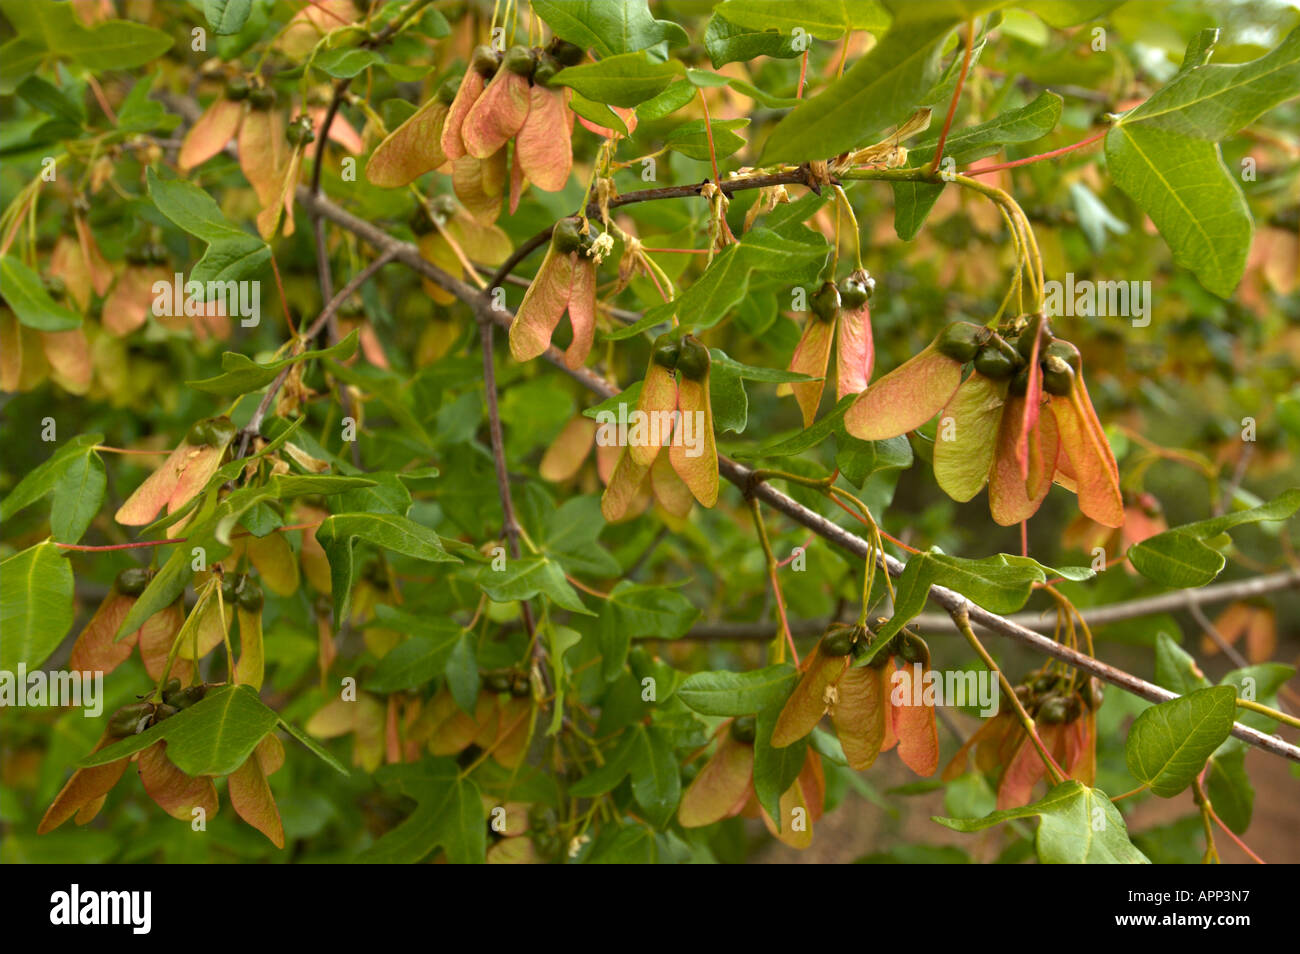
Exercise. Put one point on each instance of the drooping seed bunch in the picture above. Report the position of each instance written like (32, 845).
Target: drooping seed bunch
(178, 794)
(566, 281)
(501, 97)
(183, 475)
(1019, 421)
(872, 704)
(840, 312)
(1064, 714)
(676, 379)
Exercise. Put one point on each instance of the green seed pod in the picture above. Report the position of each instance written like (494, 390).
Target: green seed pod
(1025, 343)
(1046, 683)
(547, 67)
(485, 60)
(138, 255)
(223, 431)
(157, 253)
(128, 720)
(1053, 711)
(520, 687)
(856, 292)
(1058, 377)
(667, 349)
(838, 640)
(230, 588)
(743, 729)
(162, 712)
(961, 340)
(519, 59)
(447, 91)
(913, 649)
(497, 681)
(997, 360)
(567, 236)
(586, 238)
(238, 88)
(299, 131)
(186, 697)
(250, 595)
(1025, 694)
(826, 302)
(693, 360)
(261, 97)
(1067, 352)
(568, 54)
(200, 433)
(1094, 694)
(132, 581)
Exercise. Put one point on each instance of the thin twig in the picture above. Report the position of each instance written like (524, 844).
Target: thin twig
(510, 523)
(1149, 606)
(254, 425)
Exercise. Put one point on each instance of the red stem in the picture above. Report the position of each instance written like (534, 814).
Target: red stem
(806, 544)
(118, 546)
(859, 518)
(780, 608)
(971, 173)
(956, 95)
(803, 75)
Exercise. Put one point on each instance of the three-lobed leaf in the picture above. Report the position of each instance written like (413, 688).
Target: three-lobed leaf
(1169, 743)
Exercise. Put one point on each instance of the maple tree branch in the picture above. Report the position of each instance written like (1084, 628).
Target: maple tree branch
(798, 176)
(743, 477)
(1149, 606)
